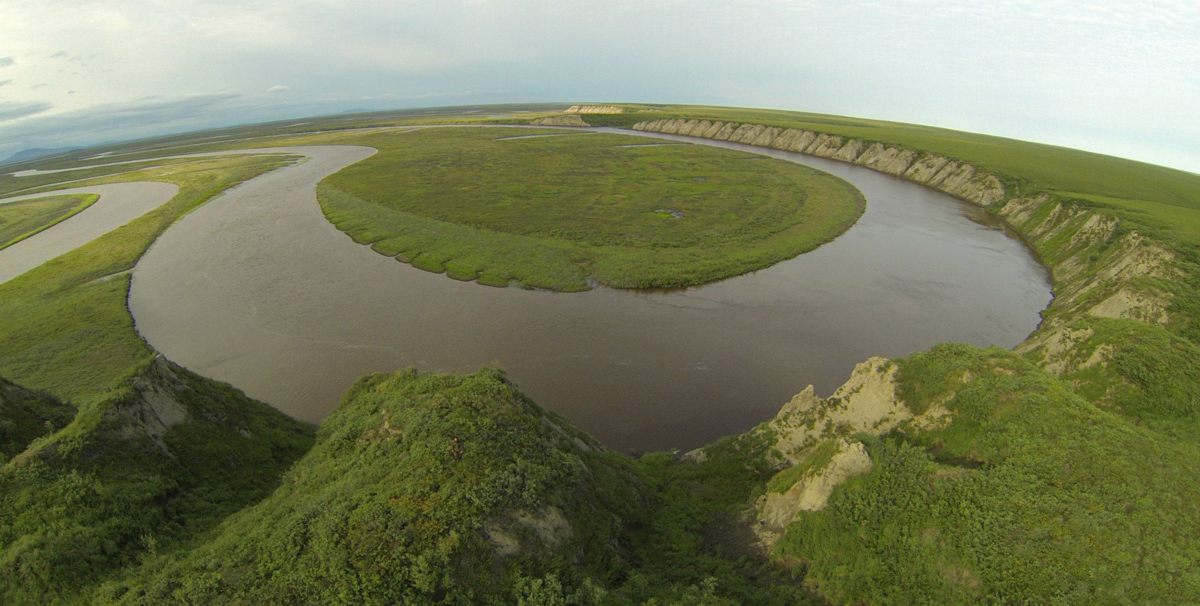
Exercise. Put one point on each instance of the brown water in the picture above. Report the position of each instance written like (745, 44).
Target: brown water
(258, 289)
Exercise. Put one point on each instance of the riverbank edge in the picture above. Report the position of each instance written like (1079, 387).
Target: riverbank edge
(1099, 266)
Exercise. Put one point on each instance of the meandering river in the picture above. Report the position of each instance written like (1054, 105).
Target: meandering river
(256, 288)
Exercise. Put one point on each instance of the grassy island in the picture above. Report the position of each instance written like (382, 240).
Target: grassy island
(22, 219)
(551, 209)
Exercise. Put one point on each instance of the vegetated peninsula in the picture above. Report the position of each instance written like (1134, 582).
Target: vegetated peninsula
(1058, 472)
(553, 209)
(20, 220)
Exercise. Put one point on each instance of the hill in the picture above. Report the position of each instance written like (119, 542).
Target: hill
(35, 153)
(157, 462)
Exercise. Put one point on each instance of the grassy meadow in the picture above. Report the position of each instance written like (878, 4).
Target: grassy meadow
(553, 210)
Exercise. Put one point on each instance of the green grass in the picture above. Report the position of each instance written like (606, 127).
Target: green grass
(1061, 502)
(552, 212)
(20, 220)
(27, 415)
(64, 326)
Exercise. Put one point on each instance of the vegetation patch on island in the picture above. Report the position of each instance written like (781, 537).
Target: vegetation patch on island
(24, 218)
(553, 210)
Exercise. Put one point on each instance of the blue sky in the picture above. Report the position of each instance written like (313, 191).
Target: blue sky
(1121, 78)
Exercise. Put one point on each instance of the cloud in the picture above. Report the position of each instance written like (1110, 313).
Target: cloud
(1116, 73)
(113, 120)
(140, 118)
(5, 82)
(6, 61)
(12, 110)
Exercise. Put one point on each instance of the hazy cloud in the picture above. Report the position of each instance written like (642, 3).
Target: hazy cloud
(140, 118)
(278, 88)
(58, 54)
(12, 110)
(6, 61)
(5, 82)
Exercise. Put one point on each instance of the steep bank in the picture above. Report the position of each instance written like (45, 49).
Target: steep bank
(1102, 267)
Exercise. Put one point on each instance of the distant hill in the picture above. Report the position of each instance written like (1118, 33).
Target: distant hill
(37, 152)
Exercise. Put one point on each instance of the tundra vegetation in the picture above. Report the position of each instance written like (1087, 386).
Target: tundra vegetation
(1059, 472)
(553, 209)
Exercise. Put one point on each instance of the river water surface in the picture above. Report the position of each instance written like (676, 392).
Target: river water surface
(256, 288)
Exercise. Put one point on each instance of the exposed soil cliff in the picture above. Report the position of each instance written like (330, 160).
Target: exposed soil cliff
(1099, 270)
(959, 179)
(594, 109)
(564, 120)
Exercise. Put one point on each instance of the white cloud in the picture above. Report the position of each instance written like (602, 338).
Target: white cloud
(278, 88)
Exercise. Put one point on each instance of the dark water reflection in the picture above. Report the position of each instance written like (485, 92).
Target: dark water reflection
(259, 290)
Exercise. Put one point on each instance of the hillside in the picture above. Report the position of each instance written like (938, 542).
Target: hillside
(441, 489)
(157, 462)
(26, 415)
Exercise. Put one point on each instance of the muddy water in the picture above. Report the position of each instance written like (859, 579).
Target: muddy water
(258, 289)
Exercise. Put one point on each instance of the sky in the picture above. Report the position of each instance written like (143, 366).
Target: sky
(1115, 77)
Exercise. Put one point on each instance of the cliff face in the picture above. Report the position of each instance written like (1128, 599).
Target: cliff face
(565, 120)
(812, 445)
(594, 109)
(1110, 333)
(956, 178)
(1099, 270)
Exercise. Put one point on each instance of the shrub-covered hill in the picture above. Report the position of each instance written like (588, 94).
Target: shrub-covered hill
(963, 475)
(151, 466)
(432, 489)
(421, 488)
